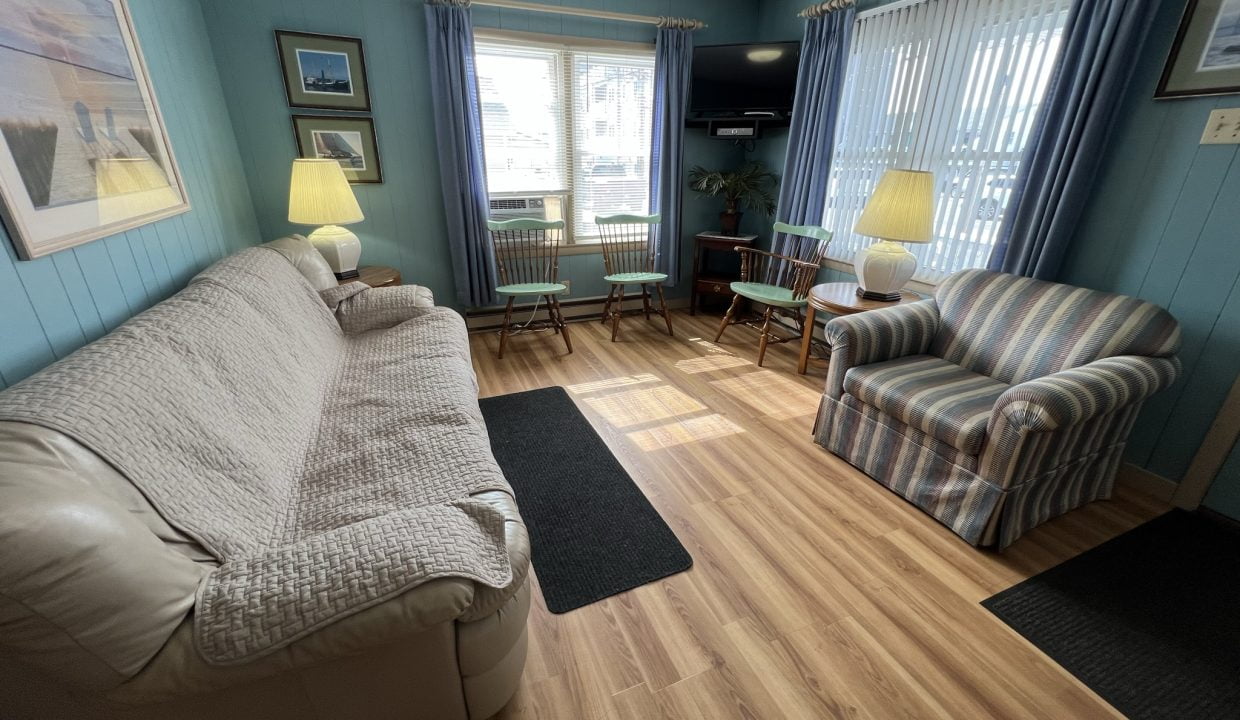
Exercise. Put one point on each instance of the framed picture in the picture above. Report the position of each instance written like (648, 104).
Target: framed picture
(324, 72)
(1205, 59)
(83, 150)
(350, 141)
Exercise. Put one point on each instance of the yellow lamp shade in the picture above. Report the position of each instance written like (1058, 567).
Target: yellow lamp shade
(901, 208)
(319, 194)
(131, 187)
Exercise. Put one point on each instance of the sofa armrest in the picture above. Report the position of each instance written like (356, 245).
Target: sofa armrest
(423, 611)
(1073, 396)
(359, 307)
(878, 335)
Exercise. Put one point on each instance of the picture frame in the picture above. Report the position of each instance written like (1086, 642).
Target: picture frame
(84, 151)
(1205, 57)
(323, 72)
(349, 139)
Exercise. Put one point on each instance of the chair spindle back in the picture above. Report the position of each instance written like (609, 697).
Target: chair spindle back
(806, 245)
(630, 242)
(526, 250)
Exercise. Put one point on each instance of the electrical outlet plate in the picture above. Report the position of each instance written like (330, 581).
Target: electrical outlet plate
(568, 286)
(1223, 127)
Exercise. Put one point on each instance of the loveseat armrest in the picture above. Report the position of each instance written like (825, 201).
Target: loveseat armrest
(1073, 396)
(876, 336)
(359, 307)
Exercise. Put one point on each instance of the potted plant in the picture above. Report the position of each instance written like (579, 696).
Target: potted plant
(749, 187)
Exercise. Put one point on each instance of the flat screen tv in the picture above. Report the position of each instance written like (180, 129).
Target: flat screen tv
(735, 80)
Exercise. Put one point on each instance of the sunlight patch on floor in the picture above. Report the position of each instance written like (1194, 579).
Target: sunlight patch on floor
(634, 407)
(708, 363)
(706, 427)
(710, 346)
(771, 394)
(610, 383)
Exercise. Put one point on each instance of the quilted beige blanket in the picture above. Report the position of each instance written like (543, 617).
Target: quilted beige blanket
(326, 471)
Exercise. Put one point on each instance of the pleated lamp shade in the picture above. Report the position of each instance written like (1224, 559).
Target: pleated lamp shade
(901, 208)
(319, 194)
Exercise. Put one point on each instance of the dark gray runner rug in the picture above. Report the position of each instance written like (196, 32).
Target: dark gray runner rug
(1149, 620)
(593, 533)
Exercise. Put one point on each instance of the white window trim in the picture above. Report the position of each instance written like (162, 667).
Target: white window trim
(570, 43)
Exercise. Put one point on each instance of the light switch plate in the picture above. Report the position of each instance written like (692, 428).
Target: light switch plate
(1223, 127)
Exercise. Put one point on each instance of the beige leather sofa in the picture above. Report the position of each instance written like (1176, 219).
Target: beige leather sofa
(97, 595)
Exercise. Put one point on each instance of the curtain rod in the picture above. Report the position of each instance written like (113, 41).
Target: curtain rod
(687, 23)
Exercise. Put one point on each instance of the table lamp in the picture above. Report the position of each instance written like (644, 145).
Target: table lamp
(901, 210)
(319, 194)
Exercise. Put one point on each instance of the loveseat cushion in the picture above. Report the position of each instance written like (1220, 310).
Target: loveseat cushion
(942, 399)
(1016, 329)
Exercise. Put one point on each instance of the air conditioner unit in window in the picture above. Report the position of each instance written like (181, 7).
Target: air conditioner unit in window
(536, 207)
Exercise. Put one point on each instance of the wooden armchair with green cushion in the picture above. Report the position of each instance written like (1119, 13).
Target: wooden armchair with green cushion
(779, 282)
(630, 250)
(527, 256)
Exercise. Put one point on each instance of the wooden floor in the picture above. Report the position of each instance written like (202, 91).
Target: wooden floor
(815, 592)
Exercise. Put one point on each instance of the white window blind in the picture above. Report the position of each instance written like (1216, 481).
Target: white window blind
(569, 120)
(949, 86)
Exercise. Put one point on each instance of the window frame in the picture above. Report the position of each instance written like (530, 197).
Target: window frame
(566, 45)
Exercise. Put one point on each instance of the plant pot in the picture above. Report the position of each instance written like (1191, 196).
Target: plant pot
(729, 222)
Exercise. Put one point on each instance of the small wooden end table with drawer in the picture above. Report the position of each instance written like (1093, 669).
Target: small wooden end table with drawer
(376, 276)
(839, 298)
(713, 282)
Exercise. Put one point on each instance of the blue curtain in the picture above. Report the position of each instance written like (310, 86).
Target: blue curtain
(1101, 43)
(811, 139)
(673, 57)
(462, 168)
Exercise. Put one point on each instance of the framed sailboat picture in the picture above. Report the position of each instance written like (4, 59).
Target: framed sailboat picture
(1205, 59)
(83, 150)
(348, 140)
(323, 72)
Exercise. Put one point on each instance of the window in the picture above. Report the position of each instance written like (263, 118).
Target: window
(950, 86)
(567, 120)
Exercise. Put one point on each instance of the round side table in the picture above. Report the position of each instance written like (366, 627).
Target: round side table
(839, 298)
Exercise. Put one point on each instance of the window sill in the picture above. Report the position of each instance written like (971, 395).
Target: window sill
(582, 249)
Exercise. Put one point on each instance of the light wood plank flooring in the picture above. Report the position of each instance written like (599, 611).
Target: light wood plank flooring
(815, 592)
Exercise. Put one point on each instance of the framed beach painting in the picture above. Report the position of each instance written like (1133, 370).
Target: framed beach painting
(349, 141)
(323, 72)
(83, 149)
(1205, 59)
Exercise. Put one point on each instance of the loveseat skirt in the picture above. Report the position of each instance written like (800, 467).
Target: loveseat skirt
(944, 481)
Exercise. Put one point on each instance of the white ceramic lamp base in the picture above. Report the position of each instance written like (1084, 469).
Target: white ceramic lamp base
(883, 269)
(340, 248)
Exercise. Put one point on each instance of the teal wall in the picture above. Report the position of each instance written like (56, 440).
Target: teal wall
(404, 224)
(1224, 495)
(53, 305)
(1164, 224)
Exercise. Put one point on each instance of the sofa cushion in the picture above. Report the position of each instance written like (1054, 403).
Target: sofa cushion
(942, 399)
(1016, 329)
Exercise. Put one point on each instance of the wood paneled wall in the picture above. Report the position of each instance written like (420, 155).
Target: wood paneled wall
(51, 306)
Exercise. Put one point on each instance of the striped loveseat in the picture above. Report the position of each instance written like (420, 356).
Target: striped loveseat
(998, 404)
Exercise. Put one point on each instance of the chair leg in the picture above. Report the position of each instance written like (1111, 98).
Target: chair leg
(611, 295)
(663, 309)
(553, 303)
(727, 317)
(646, 300)
(766, 328)
(503, 331)
(615, 314)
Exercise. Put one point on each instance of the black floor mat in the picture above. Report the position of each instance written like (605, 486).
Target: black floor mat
(1149, 620)
(592, 531)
